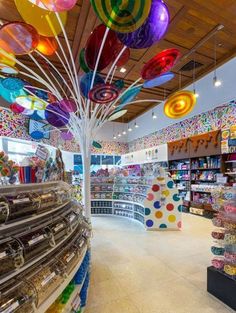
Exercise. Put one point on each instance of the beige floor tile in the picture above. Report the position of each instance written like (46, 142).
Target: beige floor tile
(134, 271)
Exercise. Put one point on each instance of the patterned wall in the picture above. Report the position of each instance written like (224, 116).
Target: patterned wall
(218, 118)
(16, 126)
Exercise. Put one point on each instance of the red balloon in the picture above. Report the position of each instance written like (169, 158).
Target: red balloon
(160, 64)
(18, 38)
(16, 108)
(93, 46)
(124, 58)
(47, 45)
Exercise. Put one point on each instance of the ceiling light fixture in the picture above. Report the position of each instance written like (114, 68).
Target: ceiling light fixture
(114, 137)
(130, 129)
(124, 132)
(154, 115)
(216, 81)
(123, 70)
(119, 135)
(136, 125)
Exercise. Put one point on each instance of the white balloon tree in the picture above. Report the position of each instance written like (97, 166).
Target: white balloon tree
(81, 105)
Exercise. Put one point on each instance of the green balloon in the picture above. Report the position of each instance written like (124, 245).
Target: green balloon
(97, 145)
(82, 61)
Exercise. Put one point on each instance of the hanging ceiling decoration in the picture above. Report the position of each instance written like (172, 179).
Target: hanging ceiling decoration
(103, 93)
(180, 104)
(122, 16)
(160, 64)
(152, 30)
(31, 102)
(159, 80)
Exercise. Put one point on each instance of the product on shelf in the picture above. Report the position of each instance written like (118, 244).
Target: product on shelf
(11, 255)
(69, 257)
(59, 229)
(72, 219)
(17, 297)
(225, 236)
(46, 278)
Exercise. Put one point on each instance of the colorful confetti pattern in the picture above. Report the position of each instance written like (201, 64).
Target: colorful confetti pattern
(218, 118)
(16, 126)
(163, 205)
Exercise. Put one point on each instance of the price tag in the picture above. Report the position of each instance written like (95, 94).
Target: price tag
(42, 152)
(70, 257)
(3, 254)
(58, 227)
(34, 240)
(47, 280)
(23, 200)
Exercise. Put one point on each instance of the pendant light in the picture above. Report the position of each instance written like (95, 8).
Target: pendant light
(154, 115)
(196, 94)
(216, 82)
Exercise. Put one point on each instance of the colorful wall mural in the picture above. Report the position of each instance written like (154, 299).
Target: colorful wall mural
(219, 118)
(16, 126)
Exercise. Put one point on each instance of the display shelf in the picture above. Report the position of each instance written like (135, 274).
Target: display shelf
(34, 261)
(178, 169)
(52, 298)
(32, 218)
(205, 169)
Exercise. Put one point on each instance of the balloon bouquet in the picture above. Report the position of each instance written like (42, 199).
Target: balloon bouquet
(79, 106)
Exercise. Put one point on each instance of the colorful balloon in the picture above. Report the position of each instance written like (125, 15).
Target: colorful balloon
(47, 45)
(160, 64)
(153, 29)
(82, 61)
(7, 61)
(18, 38)
(56, 5)
(56, 116)
(16, 108)
(86, 80)
(116, 115)
(158, 81)
(31, 103)
(66, 135)
(44, 21)
(103, 93)
(180, 104)
(12, 83)
(68, 105)
(93, 47)
(122, 16)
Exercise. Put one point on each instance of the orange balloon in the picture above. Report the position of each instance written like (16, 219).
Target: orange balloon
(7, 61)
(47, 45)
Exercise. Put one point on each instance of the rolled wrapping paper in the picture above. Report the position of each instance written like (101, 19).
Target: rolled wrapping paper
(218, 263)
(217, 250)
(27, 172)
(218, 234)
(230, 238)
(230, 269)
(21, 175)
(230, 257)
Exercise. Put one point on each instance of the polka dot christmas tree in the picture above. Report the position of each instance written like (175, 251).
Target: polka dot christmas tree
(163, 205)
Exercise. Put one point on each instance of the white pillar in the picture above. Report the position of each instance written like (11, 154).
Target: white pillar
(86, 158)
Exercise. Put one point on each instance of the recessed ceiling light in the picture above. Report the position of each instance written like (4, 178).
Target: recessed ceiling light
(124, 132)
(123, 70)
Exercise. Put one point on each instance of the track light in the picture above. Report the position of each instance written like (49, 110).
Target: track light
(216, 81)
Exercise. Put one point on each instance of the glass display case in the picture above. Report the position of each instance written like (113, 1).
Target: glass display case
(17, 297)
(69, 257)
(11, 255)
(35, 242)
(48, 199)
(22, 205)
(59, 229)
(46, 278)
(72, 219)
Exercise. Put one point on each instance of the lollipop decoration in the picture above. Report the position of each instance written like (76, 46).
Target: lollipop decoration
(47, 45)
(158, 81)
(103, 93)
(122, 16)
(56, 116)
(160, 64)
(180, 104)
(31, 102)
(152, 30)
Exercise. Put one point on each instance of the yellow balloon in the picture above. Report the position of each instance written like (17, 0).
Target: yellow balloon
(44, 21)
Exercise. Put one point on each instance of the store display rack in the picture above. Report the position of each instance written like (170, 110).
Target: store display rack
(43, 241)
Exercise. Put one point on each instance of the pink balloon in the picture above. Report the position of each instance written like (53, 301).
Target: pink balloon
(68, 105)
(67, 135)
(55, 5)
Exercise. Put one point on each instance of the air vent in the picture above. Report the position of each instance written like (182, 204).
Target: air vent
(190, 66)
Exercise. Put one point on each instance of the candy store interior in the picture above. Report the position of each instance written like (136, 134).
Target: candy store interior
(117, 156)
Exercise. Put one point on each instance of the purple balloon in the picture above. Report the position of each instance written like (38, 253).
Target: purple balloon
(151, 31)
(67, 135)
(68, 105)
(56, 116)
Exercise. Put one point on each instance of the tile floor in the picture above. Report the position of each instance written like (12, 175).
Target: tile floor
(134, 271)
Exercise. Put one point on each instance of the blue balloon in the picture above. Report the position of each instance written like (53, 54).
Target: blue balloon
(86, 80)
